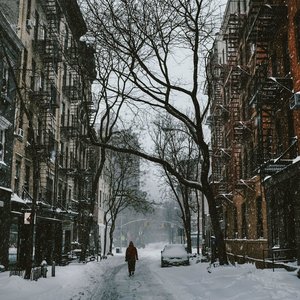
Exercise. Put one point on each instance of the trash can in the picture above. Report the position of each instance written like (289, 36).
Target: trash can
(117, 250)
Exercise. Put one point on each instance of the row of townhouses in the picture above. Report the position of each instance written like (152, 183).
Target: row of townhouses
(46, 160)
(254, 88)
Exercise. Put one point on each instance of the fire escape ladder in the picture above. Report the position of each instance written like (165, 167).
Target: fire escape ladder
(232, 35)
(262, 22)
(73, 88)
(235, 163)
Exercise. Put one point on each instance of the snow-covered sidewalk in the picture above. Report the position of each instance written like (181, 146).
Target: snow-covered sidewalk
(82, 281)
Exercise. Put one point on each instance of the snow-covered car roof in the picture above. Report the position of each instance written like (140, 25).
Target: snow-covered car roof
(174, 250)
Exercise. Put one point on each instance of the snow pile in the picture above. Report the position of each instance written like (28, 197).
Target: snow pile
(109, 277)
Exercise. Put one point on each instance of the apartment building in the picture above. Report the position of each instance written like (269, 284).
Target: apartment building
(51, 159)
(10, 53)
(254, 120)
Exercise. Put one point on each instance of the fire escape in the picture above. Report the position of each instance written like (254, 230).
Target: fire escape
(44, 93)
(218, 116)
(269, 87)
(233, 146)
(75, 161)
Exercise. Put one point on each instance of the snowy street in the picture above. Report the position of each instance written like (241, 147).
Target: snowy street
(143, 285)
(109, 280)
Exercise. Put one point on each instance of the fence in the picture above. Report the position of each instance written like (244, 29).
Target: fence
(278, 256)
(35, 274)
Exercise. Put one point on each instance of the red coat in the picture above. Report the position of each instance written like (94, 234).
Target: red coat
(131, 253)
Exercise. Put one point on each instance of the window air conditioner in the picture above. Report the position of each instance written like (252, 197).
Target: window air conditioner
(295, 101)
(20, 132)
(29, 24)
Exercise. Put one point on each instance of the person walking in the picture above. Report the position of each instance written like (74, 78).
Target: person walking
(131, 257)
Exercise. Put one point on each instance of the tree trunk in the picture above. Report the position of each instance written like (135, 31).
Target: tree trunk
(105, 235)
(30, 242)
(220, 243)
(198, 223)
(111, 239)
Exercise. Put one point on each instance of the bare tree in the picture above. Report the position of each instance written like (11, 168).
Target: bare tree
(174, 144)
(142, 44)
(123, 176)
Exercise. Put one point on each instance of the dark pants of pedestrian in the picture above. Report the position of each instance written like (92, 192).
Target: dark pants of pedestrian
(131, 266)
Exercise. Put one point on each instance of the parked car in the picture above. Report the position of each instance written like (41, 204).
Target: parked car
(174, 255)
(74, 254)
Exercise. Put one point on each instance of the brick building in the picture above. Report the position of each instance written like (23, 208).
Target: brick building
(254, 121)
(10, 54)
(51, 166)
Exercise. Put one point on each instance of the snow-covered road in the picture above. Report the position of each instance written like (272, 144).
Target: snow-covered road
(109, 280)
(143, 285)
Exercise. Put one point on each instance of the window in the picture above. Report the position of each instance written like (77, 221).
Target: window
(66, 42)
(244, 220)
(297, 33)
(274, 65)
(61, 156)
(60, 191)
(36, 27)
(5, 80)
(17, 177)
(2, 143)
(33, 77)
(64, 202)
(62, 114)
(67, 164)
(259, 219)
(25, 61)
(235, 222)
(65, 75)
(53, 92)
(49, 190)
(27, 178)
(28, 12)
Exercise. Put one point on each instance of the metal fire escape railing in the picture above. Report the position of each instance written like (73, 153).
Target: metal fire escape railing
(216, 122)
(73, 88)
(262, 23)
(232, 88)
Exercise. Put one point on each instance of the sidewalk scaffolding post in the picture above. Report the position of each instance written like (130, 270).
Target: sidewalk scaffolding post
(53, 269)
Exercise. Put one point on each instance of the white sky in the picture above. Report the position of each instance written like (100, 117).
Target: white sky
(151, 282)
